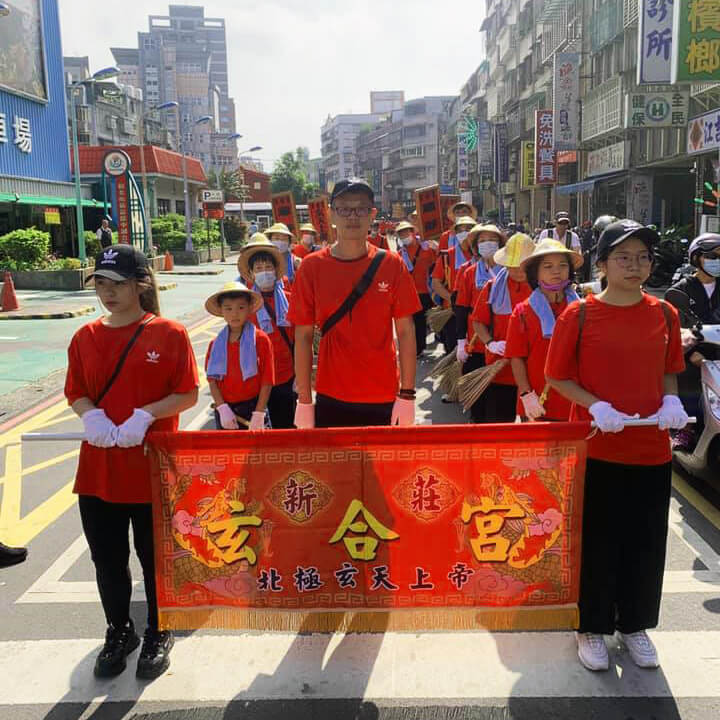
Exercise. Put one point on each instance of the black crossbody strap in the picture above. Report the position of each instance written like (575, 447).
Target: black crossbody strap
(121, 360)
(357, 292)
(283, 331)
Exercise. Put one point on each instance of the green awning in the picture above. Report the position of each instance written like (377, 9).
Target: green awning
(47, 200)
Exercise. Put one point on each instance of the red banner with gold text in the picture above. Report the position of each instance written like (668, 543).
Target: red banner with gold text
(435, 526)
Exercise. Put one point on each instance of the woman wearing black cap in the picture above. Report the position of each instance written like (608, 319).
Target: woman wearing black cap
(615, 356)
(127, 371)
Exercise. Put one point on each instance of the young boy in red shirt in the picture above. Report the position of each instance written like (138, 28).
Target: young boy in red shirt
(239, 362)
(357, 371)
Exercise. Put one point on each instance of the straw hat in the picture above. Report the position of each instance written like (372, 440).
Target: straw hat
(308, 228)
(404, 225)
(213, 306)
(518, 248)
(466, 222)
(451, 210)
(279, 229)
(548, 246)
(494, 229)
(258, 243)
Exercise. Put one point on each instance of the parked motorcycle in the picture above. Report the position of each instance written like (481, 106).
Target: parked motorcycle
(670, 254)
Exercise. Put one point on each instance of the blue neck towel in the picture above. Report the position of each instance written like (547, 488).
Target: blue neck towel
(406, 258)
(217, 366)
(281, 310)
(541, 307)
(500, 294)
(483, 274)
(290, 266)
(460, 258)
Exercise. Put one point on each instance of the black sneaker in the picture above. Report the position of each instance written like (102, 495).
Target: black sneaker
(119, 643)
(154, 657)
(11, 555)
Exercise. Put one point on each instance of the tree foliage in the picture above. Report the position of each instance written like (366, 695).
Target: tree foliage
(290, 174)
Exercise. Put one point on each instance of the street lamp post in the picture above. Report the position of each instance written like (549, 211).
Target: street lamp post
(186, 192)
(230, 138)
(104, 74)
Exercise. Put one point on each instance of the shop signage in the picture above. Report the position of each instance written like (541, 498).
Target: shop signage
(501, 170)
(545, 160)
(52, 216)
(212, 196)
(704, 133)
(528, 164)
(566, 101)
(484, 148)
(655, 42)
(639, 201)
(123, 208)
(696, 50)
(643, 110)
(608, 159)
(462, 161)
(22, 132)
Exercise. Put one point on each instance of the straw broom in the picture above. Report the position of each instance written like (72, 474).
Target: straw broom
(438, 318)
(475, 383)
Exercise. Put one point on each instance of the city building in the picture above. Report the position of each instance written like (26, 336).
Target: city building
(183, 58)
(385, 101)
(36, 186)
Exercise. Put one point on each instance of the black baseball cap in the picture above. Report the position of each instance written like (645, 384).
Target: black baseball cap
(562, 216)
(354, 185)
(619, 231)
(120, 262)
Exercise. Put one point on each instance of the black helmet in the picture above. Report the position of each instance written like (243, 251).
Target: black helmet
(602, 222)
(707, 242)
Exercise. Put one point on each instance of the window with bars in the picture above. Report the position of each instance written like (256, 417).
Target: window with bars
(602, 109)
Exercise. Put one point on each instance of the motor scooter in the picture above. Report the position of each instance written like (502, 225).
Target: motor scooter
(704, 460)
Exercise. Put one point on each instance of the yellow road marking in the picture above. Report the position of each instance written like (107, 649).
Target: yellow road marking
(63, 418)
(49, 463)
(703, 506)
(12, 490)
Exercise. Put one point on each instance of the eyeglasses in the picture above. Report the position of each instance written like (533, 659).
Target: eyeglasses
(359, 212)
(627, 260)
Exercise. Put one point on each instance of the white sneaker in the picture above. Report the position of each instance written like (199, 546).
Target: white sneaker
(641, 649)
(592, 651)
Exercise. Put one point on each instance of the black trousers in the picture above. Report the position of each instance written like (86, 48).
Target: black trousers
(281, 405)
(500, 404)
(106, 526)
(477, 410)
(625, 525)
(448, 335)
(421, 328)
(330, 412)
(243, 409)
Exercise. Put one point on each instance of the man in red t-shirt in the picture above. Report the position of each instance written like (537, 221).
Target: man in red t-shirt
(357, 370)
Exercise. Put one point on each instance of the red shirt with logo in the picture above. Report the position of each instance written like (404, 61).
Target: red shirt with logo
(160, 363)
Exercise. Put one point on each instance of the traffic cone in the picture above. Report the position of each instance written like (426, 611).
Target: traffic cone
(9, 299)
(169, 262)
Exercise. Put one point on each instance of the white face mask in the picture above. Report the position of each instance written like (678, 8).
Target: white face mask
(487, 248)
(308, 240)
(461, 236)
(282, 245)
(406, 240)
(265, 280)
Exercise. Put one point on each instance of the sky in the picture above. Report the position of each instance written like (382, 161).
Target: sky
(293, 63)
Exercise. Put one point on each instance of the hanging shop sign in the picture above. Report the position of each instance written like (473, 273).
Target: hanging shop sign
(655, 43)
(566, 101)
(696, 50)
(545, 160)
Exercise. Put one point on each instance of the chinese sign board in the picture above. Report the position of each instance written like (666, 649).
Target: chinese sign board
(446, 202)
(696, 46)
(501, 160)
(643, 110)
(283, 207)
(704, 133)
(463, 175)
(545, 160)
(122, 206)
(566, 101)
(212, 212)
(639, 201)
(655, 42)
(528, 164)
(265, 531)
(21, 136)
(608, 159)
(484, 148)
(52, 216)
(429, 211)
(319, 213)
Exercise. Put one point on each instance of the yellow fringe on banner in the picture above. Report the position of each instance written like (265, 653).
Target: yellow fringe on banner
(553, 617)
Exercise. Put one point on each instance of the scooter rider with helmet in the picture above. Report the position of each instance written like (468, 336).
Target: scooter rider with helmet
(703, 290)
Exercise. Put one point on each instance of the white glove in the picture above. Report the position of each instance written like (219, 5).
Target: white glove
(132, 431)
(257, 421)
(497, 347)
(305, 416)
(461, 352)
(672, 415)
(228, 421)
(531, 405)
(403, 412)
(608, 419)
(100, 430)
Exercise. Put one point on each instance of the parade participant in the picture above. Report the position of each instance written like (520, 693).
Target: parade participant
(458, 210)
(549, 272)
(260, 263)
(239, 362)
(308, 241)
(127, 371)
(485, 241)
(279, 235)
(703, 292)
(615, 356)
(563, 233)
(490, 318)
(376, 238)
(419, 258)
(445, 273)
(354, 292)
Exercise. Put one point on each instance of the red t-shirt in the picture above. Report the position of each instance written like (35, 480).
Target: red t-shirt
(357, 358)
(232, 387)
(624, 354)
(445, 240)
(525, 340)
(300, 251)
(445, 270)
(379, 241)
(160, 363)
(467, 295)
(422, 261)
(282, 353)
(482, 313)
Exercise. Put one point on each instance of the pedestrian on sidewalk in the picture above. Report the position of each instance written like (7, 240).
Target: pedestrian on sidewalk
(127, 371)
(239, 362)
(616, 356)
(355, 293)
(104, 234)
